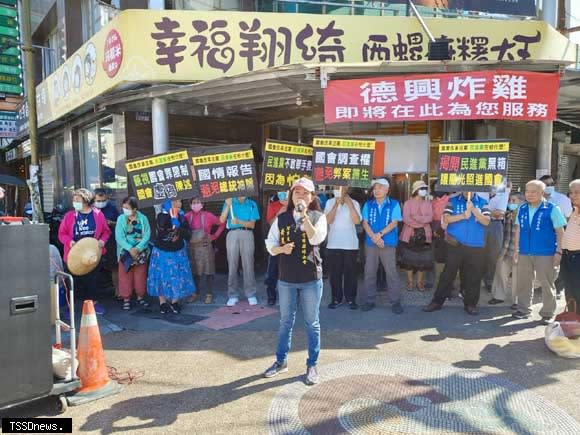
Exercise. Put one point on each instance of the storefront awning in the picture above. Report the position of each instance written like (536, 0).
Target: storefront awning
(282, 93)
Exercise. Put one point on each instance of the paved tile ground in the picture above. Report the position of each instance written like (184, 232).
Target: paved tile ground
(209, 382)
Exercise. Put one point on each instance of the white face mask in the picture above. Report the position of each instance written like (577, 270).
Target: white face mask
(423, 193)
(336, 193)
(77, 206)
(127, 212)
(100, 204)
(549, 190)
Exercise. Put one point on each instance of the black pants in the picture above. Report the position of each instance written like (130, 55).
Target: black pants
(470, 264)
(88, 286)
(343, 276)
(570, 274)
(272, 276)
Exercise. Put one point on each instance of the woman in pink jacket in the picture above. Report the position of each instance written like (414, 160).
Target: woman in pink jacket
(416, 237)
(84, 221)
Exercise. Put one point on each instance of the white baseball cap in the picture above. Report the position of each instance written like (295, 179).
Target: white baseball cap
(306, 183)
(382, 181)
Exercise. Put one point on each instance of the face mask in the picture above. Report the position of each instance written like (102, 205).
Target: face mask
(423, 192)
(549, 190)
(100, 204)
(336, 193)
(197, 207)
(282, 196)
(127, 212)
(512, 207)
(78, 206)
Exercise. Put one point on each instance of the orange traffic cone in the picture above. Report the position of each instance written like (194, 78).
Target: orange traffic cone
(92, 371)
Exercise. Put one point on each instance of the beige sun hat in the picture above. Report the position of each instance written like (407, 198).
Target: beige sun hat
(419, 184)
(84, 256)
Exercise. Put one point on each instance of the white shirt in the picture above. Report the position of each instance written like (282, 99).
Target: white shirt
(342, 231)
(320, 231)
(499, 202)
(563, 202)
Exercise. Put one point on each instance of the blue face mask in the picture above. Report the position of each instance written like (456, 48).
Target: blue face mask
(282, 196)
(513, 207)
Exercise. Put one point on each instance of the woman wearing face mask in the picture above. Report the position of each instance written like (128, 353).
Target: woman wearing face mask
(505, 264)
(169, 276)
(132, 233)
(201, 253)
(84, 221)
(416, 237)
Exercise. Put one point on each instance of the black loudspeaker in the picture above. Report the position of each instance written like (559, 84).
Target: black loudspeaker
(439, 50)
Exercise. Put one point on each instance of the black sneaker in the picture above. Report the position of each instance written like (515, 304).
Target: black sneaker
(546, 320)
(397, 308)
(143, 303)
(334, 305)
(165, 308)
(368, 306)
(494, 301)
(175, 308)
(275, 369)
(353, 305)
(520, 315)
(271, 301)
(514, 307)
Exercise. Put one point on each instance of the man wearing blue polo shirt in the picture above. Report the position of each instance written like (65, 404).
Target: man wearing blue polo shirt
(241, 214)
(466, 221)
(538, 249)
(381, 216)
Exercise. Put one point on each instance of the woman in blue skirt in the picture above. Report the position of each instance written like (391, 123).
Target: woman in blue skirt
(169, 276)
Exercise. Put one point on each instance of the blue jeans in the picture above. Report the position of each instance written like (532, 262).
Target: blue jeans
(310, 295)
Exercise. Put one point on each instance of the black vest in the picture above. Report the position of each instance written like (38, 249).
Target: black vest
(304, 264)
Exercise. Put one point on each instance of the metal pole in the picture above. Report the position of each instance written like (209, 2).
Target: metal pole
(28, 50)
(160, 124)
(421, 21)
(544, 152)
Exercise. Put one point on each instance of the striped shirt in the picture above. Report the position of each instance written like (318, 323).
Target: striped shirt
(571, 240)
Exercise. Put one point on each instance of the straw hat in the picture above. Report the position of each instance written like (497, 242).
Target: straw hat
(419, 184)
(84, 256)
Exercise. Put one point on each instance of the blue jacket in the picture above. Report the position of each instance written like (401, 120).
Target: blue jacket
(378, 220)
(468, 232)
(539, 239)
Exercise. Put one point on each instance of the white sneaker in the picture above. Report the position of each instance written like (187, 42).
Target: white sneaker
(232, 302)
(252, 301)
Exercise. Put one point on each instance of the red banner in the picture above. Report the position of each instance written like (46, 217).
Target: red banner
(516, 95)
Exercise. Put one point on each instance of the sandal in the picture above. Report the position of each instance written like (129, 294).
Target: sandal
(194, 297)
(143, 303)
(410, 287)
(208, 298)
(421, 288)
(127, 305)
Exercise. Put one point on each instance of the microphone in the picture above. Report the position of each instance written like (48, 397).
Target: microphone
(300, 207)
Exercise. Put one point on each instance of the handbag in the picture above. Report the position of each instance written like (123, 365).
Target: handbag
(419, 238)
(569, 319)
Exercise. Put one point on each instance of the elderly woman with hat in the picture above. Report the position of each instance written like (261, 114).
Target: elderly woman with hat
(84, 222)
(202, 255)
(294, 238)
(169, 277)
(416, 236)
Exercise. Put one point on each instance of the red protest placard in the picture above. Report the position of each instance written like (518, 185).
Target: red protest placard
(516, 95)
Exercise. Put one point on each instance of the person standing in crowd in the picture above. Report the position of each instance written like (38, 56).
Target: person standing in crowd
(570, 266)
(132, 233)
(416, 237)
(381, 216)
(342, 214)
(169, 276)
(539, 230)
(556, 198)
(505, 263)
(494, 239)
(466, 220)
(201, 252)
(85, 221)
(241, 215)
(110, 269)
(294, 237)
(275, 209)
(438, 205)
